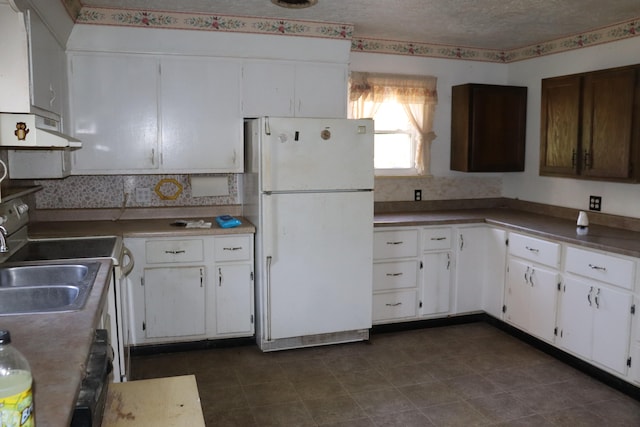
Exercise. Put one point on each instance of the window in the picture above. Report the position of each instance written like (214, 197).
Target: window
(402, 108)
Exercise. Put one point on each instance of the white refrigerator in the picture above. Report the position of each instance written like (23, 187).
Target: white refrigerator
(308, 188)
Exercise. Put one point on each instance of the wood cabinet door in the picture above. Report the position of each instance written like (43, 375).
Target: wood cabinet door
(607, 120)
(560, 126)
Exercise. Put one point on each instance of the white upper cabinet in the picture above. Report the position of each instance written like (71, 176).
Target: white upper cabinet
(156, 114)
(114, 112)
(288, 89)
(201, 119)
(33, 68)
(48, 68)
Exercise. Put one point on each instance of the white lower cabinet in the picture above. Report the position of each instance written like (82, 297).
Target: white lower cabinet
(595, 322)
(436, 268)
(532, 285)
(531, 298)
(191, 288)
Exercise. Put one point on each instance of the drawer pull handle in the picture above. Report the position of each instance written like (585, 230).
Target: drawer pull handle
(394, 274)
(237, 248)
(438, 238)
(395, 243)
(175, 252)
(395, 304)
(532, 249)
(597, 267)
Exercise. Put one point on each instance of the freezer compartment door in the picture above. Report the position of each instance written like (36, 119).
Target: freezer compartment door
(318, 257)
(317, 154)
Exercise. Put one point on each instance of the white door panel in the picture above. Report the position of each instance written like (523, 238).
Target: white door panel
(320, 251)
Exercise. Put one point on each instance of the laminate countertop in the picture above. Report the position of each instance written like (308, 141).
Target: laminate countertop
(57, 344)
(600, 237)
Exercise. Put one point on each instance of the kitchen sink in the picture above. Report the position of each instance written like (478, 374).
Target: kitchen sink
(28, 289)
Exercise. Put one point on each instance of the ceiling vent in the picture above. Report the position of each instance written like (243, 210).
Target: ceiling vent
(294, 4)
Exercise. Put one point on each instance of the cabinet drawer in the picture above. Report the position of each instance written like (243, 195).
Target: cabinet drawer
(395, 244)
(436, 238)
(394, 305)
(233, 248)
(159, 251)
(395, 275)
(603, 267)
(536, 250)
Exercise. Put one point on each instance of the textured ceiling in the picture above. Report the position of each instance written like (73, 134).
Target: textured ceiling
(489, 24)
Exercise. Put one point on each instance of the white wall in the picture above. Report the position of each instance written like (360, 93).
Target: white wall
(619, 199)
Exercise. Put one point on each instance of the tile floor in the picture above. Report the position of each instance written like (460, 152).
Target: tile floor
(462, 375)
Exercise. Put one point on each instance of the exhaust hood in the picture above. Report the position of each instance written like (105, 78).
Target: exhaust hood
(32, 131)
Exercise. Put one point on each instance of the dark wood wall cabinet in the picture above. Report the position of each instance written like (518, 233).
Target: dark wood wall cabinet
(488, 124)
(590, 125)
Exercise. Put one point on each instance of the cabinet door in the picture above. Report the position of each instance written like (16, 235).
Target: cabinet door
(607, 120)
(114, 112)
(321, 90)
(560, 126)
(436, 284)
(517, 293)
(267, 89)
(47, 66)
(488, 128)
(543, 297)
(201, 118)
(576, 317)
(174, 301)
(470, 267)
(234, 299)
(612, 327)
(494, 274)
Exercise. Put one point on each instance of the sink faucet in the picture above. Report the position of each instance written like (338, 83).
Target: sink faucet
(3, 240)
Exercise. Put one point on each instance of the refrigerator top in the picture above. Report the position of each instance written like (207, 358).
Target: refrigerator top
(305, 154)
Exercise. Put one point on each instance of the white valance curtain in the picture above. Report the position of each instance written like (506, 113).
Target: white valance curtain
(417, 94)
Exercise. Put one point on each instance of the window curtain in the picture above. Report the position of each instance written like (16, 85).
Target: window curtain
(418, 95)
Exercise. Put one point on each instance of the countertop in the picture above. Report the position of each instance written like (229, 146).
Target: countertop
(133, 228)
(56, 346)
(600, 237)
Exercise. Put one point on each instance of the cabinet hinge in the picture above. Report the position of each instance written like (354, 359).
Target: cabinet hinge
(555, 331)
(504, 308)
(559, 286)
(629, 362)
(420, 304)
(421, 265)
(633, 309)
(506, 242)
(252, 318)
(144, 326)
(251, 276)
(142, 281)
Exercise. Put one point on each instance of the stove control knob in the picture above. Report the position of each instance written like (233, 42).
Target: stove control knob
(22, 208)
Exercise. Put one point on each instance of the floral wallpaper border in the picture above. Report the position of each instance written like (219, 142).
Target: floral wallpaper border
(243, 24)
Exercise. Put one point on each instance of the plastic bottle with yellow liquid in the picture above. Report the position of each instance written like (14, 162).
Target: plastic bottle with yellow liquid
(16, 397)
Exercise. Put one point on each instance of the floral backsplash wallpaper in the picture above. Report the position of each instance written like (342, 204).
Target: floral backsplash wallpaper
(117, 191)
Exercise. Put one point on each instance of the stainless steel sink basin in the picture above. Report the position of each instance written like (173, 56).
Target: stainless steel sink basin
(43, 275)
(28, 289)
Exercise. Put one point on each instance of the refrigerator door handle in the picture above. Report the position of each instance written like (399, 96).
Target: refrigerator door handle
(268, 289)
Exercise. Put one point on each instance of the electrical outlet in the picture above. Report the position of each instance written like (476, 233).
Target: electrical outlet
(143, 195)
(595, 203)
(417, 195)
